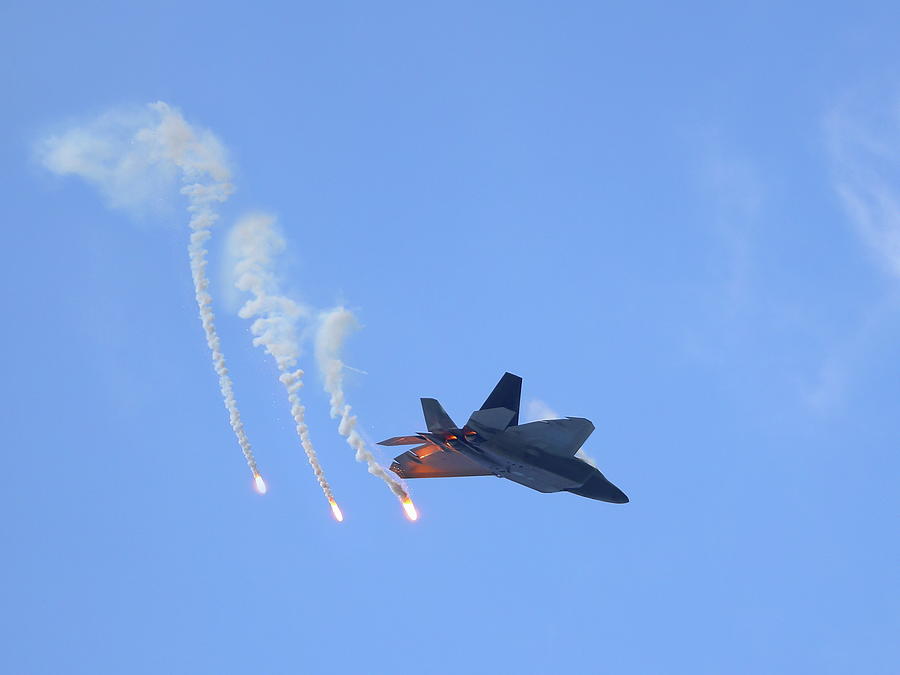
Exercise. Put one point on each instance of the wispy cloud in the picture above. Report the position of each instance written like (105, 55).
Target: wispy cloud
(863, 143)
(734, 190)
(862, 139)
(847, 356)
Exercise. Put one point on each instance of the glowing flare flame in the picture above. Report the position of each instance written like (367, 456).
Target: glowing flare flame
(410, 509)
(336, 510)
(260, 484)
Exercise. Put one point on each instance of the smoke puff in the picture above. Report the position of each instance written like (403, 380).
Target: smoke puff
(135, 156)
(253, 244)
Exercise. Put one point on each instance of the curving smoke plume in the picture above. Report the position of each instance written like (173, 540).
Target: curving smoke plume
(334, 328)
(132, 157)
(254, 242)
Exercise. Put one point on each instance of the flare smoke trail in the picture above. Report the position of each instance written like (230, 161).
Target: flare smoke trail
(129, 156)
(254, 242)
(333, 330)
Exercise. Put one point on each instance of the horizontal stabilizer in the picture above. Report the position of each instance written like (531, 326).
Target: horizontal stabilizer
(443, 464)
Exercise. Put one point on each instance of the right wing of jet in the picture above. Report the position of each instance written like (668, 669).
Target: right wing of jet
(557, 437)
(439, 464)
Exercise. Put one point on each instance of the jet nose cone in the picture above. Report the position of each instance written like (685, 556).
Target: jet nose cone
(597, 487)
(618, 497)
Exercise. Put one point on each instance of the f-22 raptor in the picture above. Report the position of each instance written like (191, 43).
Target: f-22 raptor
(539, 455)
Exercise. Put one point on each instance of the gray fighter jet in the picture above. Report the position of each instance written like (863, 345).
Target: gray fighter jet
(539, 455)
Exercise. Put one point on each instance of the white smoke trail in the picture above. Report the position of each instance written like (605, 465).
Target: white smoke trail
(254, 242)
(130, 157)
(334, 327)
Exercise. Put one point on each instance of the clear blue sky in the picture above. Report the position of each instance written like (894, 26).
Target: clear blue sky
(676, 221)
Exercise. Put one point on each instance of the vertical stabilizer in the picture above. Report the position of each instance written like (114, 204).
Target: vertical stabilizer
(436, 418)
(506, 394)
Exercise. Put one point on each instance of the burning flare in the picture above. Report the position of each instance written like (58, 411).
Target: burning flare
(410, 509)
(336, 510)
(260, 484)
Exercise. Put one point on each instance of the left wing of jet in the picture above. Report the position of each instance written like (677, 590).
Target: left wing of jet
(420, 463)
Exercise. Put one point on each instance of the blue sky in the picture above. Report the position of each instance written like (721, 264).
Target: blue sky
(679, 222)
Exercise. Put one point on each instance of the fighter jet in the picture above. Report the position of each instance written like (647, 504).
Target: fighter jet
(539, 455)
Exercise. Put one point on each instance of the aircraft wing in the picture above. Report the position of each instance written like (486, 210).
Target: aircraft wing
(557, 437)
(440, 464)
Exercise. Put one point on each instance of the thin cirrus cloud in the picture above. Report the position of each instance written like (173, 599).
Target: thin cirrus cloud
(733, 186)
(864, 150)
(862, 140)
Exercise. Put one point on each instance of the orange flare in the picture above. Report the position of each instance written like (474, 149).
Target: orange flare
(410, 508)
(260, 484)
(336, 510)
